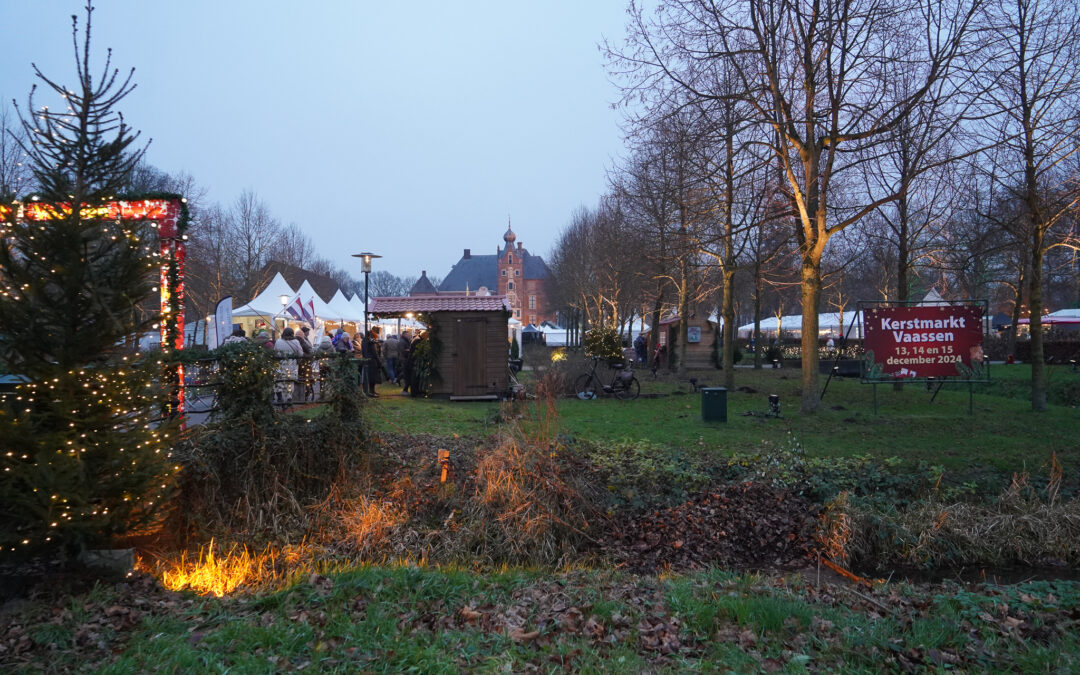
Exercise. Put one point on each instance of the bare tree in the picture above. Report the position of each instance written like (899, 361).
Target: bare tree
(1036, 72)
(817, 74)
(253, 232)
(14, 174)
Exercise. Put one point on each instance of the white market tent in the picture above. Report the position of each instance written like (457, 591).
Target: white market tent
(268, 303)
(833, 323)
(322, 309)
(339, 309)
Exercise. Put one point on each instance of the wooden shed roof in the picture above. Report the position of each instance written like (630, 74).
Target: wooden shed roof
(439, 303)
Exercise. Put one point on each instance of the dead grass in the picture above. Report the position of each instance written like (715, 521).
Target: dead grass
(1023, 526)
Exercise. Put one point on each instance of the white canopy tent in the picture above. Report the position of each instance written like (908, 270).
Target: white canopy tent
(339, 309)
(322, 309)
(829, 323)
(267, 304)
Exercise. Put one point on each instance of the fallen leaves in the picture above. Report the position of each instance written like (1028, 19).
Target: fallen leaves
(740, 525)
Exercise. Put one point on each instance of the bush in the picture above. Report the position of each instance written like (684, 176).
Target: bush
(604, 342)
(642, 474)
(254, 470)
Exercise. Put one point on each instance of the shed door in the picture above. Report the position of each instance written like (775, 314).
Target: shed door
(470, 343)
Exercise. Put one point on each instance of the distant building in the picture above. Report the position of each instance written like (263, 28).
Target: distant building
(514, 272)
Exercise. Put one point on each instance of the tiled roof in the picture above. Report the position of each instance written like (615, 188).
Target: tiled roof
(423, 285)
(439, 303)
(536, 268)
(472, 273)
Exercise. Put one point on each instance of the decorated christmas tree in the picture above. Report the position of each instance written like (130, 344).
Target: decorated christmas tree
(82, 456)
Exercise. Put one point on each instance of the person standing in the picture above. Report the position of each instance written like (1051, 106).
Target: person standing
(288, 351)
(370, 367)
(303, 366)
(641, 349)
(391, 353)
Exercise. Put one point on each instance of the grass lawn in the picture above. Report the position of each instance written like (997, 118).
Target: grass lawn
(409, 619)
(324, 615)
(1002, 435)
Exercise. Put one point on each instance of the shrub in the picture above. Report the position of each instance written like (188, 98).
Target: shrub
(604, 342)
(249, 471)
(641, 473)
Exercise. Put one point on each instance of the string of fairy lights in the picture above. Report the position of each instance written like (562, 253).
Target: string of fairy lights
(115, 408)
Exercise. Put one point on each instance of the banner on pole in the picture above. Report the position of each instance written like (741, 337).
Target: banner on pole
(222, 322)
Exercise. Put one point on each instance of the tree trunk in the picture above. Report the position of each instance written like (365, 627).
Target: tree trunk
(729, 327)
(654, 329)
(757, 319)
(1038, 362)
(811, 295)
(1017, 305)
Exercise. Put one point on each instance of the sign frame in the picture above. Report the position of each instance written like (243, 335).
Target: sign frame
(870, 371)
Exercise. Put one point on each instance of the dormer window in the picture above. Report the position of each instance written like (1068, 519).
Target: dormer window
(509, 258)
(504, 273)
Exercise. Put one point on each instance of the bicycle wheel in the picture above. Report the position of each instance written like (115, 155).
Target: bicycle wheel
(586, 387)
(627, 390)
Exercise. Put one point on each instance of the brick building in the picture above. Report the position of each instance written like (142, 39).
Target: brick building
(514, 272)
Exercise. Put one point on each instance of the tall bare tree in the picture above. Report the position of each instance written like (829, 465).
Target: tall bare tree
(817, 74)
(1036, 73)
(14, 174)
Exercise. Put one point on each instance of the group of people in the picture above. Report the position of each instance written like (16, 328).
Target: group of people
(389, 360)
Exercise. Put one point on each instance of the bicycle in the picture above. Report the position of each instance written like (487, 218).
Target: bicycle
(515, 391)
(624, 386)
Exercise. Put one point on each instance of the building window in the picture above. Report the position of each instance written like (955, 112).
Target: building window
(517, 313)
(504, 273)
(510, 285)
(532, 302)
(517, 273)
(509, 258)
(532, 319)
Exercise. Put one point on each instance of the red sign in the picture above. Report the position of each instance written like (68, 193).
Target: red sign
(920, 342)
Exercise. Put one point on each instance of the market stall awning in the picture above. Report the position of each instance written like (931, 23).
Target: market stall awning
(438, 303)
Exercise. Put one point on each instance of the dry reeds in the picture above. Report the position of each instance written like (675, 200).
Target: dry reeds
(1021, 527)
(217, 574)
(526, 509)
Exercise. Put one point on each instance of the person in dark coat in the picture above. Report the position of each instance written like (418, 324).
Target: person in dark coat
(641, 349)
(304, 364)
(369, 352)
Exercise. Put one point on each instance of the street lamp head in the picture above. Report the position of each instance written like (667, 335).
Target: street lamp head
(365, 259)
(284, 299)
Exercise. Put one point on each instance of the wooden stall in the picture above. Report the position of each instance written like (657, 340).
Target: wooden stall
(701, 341)
(468, 335)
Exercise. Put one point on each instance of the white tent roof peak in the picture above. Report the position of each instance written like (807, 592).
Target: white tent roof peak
(933, 299)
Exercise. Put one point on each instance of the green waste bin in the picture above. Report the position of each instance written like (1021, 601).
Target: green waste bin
(714, 404)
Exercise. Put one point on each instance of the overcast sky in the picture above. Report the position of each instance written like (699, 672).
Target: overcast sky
(411, 129)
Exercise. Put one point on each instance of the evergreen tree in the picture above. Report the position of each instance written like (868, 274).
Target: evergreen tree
(83, 458)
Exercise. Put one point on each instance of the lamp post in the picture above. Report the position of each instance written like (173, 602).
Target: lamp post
(366, 379)
(365, 267)
(284, 301)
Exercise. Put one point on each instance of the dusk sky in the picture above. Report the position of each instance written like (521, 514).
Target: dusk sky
(412, 130)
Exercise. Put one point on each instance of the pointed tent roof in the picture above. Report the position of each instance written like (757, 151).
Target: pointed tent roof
(340, 308)
(322, 308)
(267, 303)
(933, 299)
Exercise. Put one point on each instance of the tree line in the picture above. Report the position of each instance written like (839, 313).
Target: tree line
(794, 156)
(229, 245)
